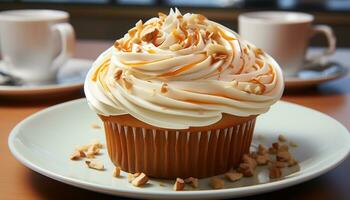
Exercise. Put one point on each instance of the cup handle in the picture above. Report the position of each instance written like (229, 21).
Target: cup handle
(328, 32)
(67, 35)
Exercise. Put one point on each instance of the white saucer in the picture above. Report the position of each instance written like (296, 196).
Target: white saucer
(44, 141)
(317, 75)
(70, 78)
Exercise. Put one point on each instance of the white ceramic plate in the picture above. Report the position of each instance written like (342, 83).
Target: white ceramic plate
(70, 77)
(44, 141)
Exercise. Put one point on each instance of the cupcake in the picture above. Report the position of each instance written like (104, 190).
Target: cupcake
(179, 96)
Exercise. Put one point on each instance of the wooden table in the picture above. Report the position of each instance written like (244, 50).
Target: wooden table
(19, 182)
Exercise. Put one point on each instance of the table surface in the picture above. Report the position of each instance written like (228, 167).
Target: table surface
(19, 182)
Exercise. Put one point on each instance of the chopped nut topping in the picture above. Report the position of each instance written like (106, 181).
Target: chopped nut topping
(116, 172)
(245, 169)
(249, 160)
(201, 17)
(262, 159)
(132, 32)
(262, 149)
(77, 155)
(217, 183)
(94, 164)
(179, 184)
(82, 147)
(278, 164)
(118, 74)
(292, 162)
(131, 177)
(150, 35)
(127, 84)
(161, 184)
(164, 88)
(282, 138)
(93, 150)
(283, 147)
(140, 180)
(192, 181)
(283, 156)
(233, 176)
(275, 172)
(272, 150)
(276, 145)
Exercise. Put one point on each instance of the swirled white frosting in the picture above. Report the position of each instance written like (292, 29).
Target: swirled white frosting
(180, 71)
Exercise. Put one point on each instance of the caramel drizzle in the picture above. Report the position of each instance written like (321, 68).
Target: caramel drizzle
(226, 37)
(181, 69)
(104, 65)
(140, 64)
(256, 81)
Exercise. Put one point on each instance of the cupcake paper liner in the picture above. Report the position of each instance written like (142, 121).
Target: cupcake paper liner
(177, 153)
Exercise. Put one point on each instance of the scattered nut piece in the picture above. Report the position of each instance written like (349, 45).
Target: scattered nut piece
(95, 126)
(97, 143)
(275, 145)
(82, 147)
(92, 151)
(292, 162)
(272, 150)
(282, 138)
(283, 156)
(217, 183)
(116, 172)
(192, 181)
(262, 159)
(77, 155)
(94, 164)
(262, 149)
(233, 176)
(161, 184)
(283, 147)
(140, 180)
(118, 74)
(131, 176)
(278, 164)
(249, 160)
(246, 170)
(275, 172)
(164, 88)
(179, 184)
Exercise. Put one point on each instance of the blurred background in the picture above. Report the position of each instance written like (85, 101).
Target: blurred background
(109, 19)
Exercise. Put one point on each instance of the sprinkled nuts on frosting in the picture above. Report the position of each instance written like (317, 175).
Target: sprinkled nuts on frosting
(197, 58)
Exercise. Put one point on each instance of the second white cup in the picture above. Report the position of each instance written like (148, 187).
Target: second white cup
(285, 36)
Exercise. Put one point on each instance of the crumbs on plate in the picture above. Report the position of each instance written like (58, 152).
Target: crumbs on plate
(275, 157)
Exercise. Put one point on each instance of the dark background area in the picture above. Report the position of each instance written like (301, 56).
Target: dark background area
(110, 19)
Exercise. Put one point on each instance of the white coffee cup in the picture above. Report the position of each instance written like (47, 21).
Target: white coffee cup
(35, 43)
(285, 36)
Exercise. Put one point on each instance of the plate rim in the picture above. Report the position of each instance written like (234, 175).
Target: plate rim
(17, 90)
(299, 82)
(222, 193)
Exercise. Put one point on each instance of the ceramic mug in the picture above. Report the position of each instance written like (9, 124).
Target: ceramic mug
(285, 36)
(35, 43)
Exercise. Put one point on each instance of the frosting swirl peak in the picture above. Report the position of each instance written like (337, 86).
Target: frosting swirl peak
(179, 71)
